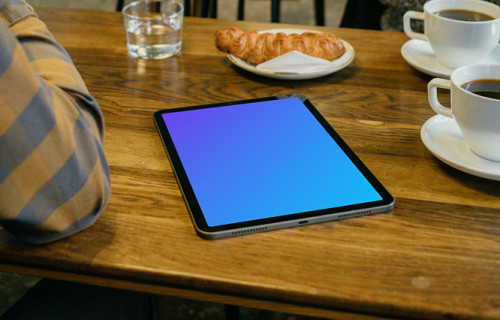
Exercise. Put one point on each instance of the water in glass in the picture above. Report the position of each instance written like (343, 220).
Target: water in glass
(154, 39)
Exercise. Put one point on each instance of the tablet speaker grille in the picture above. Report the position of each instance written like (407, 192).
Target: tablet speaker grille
(252, 230)
(354, 214)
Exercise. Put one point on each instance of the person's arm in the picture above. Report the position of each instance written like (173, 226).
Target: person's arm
(54, 177)
(404, 5)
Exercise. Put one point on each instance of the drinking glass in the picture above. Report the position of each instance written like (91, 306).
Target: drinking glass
(154, 28)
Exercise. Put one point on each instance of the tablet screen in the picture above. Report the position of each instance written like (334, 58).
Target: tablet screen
(259, 160)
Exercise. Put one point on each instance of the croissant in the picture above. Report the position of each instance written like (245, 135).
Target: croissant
(257, 48)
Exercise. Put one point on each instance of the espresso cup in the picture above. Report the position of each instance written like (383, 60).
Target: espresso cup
(476, 110)
(457, 43)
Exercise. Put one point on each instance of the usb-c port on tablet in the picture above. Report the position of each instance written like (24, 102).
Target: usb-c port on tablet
(303, 222)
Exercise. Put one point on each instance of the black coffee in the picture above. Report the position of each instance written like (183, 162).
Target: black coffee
(489, 88)
(464, 15)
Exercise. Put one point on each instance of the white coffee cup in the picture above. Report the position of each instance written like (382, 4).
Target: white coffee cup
(478, 117)
(457, 43)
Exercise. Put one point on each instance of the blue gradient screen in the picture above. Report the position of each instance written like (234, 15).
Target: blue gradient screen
(263, 159)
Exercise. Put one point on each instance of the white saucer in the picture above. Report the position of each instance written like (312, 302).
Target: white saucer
(419, 54)
(444, 139)
(339, 63)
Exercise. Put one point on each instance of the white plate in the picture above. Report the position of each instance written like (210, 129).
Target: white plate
(339, 63)
(419, 54)
(444, 139)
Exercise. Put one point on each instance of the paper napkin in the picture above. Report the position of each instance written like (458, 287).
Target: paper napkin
(295, 62)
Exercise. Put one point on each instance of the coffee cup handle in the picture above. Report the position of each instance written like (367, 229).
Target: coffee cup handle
(407, 24)
(432, 87)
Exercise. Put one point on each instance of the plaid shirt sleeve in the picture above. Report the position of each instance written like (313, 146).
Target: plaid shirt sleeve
(54, 177)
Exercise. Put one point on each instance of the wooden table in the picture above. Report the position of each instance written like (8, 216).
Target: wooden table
(436, 255)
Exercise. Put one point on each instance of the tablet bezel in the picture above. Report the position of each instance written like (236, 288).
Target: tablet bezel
(290, 220)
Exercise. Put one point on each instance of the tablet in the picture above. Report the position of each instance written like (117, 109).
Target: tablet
(264, 164)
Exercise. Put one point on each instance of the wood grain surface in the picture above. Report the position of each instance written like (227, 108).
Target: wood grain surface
(435, 256)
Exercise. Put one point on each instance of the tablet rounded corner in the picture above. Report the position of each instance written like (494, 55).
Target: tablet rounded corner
(293, 95)
(207, 235)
